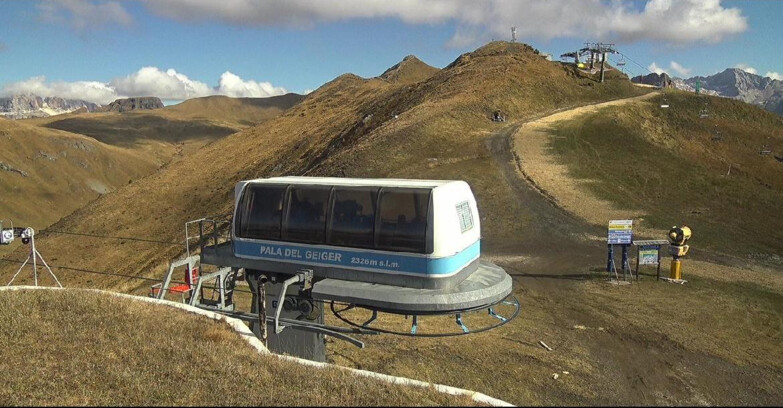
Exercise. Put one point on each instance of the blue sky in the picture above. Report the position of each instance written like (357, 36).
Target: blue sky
(177, 49)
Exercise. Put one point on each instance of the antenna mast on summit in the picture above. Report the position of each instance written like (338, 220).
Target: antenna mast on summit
(513, 34)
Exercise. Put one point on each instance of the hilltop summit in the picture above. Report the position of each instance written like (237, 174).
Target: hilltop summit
(409, 71)
(131, 104)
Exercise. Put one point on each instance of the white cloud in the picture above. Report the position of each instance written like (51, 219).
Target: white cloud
(774, 75)
(747, 68)
(679, 69)
(83, 14)
(148, 81)
(234, 86)
(91, 91)
(676, 22)
(151, 81)
(655, 68)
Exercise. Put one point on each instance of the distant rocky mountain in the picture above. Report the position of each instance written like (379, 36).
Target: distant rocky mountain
(660, 80)
(738, 84)
(33, 106)
(131, 104)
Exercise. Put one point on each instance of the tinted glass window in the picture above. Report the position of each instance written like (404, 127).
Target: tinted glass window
(307, 214)
(353, 217)
(403, 223)
(261, 211)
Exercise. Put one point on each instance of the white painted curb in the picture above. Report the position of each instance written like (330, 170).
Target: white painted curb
(254, 342)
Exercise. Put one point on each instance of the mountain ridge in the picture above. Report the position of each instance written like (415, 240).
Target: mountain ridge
(23, 106)
(738, 84)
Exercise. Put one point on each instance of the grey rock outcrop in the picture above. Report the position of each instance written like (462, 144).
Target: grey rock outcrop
(662, 80)
(33, 106)
(131, 104)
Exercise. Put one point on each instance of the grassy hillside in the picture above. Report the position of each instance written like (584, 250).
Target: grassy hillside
(680, 168)
(345, 128)
(49, 173)
(237, 113)
(177, 129)
(55, 165)
(84, 348)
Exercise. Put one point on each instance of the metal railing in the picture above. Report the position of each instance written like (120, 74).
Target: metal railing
(211, 231)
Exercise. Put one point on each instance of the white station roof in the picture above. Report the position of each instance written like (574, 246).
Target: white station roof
(344, 181)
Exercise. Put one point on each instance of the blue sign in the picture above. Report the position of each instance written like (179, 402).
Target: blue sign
(620, 237)
(620, 232)
(356, 258)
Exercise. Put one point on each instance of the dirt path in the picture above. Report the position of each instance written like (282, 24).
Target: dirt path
(529, 146)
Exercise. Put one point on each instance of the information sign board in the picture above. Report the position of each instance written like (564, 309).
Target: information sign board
(648, 255)
(620, 232)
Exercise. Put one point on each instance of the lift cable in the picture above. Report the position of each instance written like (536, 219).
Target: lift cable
(84, 234)
(640, 65)
(106, 273)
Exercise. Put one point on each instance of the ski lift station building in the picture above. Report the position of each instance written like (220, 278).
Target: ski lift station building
(404, 246)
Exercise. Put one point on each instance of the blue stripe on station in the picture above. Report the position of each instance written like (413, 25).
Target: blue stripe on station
(357, 259)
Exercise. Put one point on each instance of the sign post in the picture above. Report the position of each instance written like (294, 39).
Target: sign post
(648, 252)
(620, 233)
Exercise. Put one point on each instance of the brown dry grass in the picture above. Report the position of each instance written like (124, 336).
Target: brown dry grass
(64, 171)
(71, 159)
(175, 130)
(709, 342)
(83, 348)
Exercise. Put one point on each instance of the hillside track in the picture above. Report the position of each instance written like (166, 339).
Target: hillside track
(561, 240)
(529, 145)
(621, 335)
(555, 232)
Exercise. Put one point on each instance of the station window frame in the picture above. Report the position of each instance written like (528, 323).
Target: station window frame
(241, 222)
(286, 233)
(424, 246)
